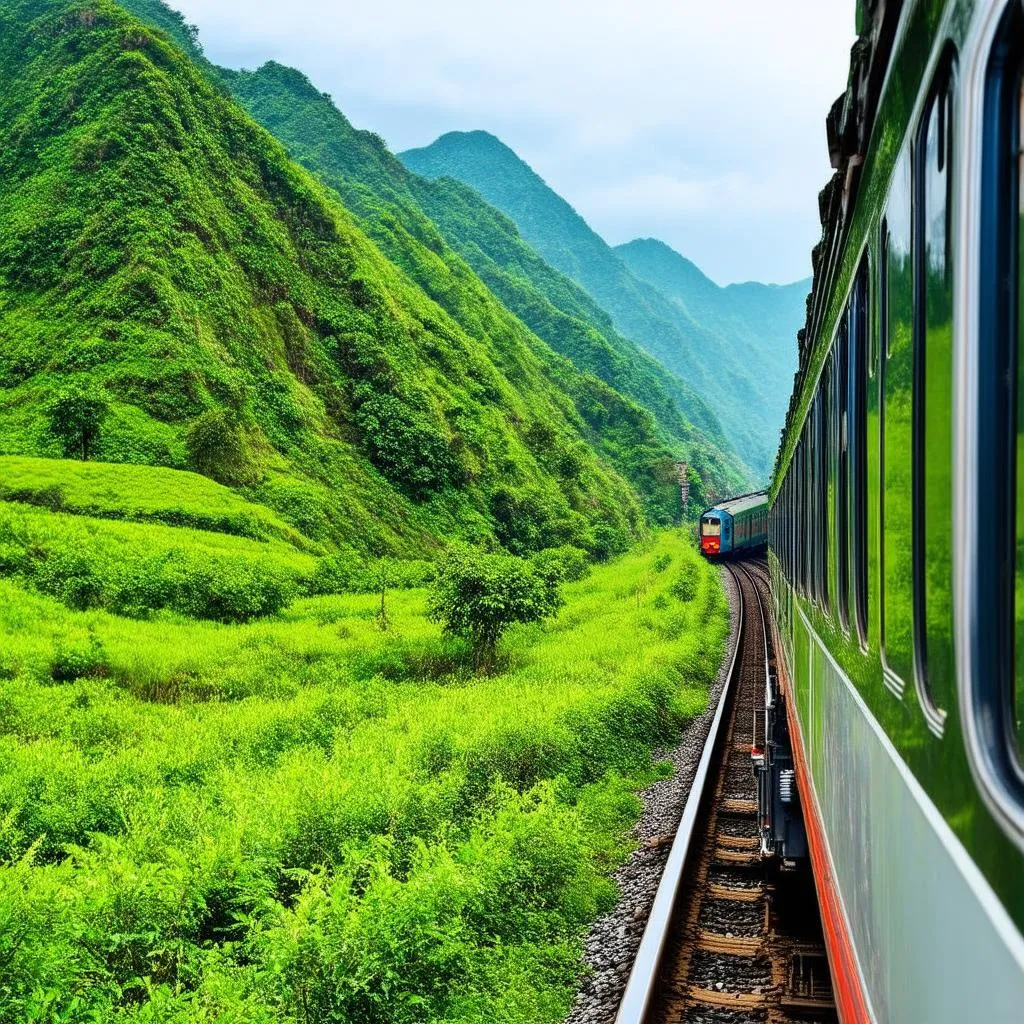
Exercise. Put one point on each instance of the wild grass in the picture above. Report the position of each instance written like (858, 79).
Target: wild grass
(311, 818)
(140, 493)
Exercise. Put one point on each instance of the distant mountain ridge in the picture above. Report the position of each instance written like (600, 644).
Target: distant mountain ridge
(668, 326)
(760, 320)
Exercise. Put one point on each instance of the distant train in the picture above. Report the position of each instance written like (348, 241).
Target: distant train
(896, 547)
(738, 526)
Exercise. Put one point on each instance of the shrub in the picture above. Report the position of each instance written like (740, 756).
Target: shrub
(687, 583)
(77, 655)
(477, 596)
(217, 448)
(75, 417)
(566, 564)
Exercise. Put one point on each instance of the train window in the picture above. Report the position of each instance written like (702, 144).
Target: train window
(856, 437)
(1017, 699)
(896, 369)
(933, 403)
(840, 418)
(828, 442)
(823, 463)
(993, 686)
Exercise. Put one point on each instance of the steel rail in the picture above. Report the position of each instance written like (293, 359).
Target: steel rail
(642, 978)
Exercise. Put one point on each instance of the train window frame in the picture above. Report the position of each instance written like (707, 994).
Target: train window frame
(859, 374)
(898, 222)
(841, 399)
(940, 103)
(990, 685)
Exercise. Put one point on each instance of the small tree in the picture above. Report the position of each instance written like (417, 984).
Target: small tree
(75, 417)
(477, 596)
(217, 449)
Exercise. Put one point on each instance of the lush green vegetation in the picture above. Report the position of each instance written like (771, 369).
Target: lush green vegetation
(322, 816)
(706, 344)
(395, 206)
(325, 687)
(160, 250)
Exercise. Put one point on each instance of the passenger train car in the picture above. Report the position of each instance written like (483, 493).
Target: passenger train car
(738, 526)
(896, 547)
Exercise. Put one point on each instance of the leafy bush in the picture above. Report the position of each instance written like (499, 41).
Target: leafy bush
(687, 584)
(565, 564)
(137, 570)
(477, 596)
(217, 448)
(75, 416)
(77, 655)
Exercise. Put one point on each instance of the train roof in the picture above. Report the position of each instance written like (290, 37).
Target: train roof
(740, 504)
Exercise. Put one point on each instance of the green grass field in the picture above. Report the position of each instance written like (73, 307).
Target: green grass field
(304, 816)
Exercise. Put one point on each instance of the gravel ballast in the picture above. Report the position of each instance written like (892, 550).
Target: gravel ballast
(613, 940)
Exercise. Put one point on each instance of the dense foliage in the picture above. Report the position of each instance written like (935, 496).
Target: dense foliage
(687, 339)
(245, 774)
(160, 248)
(319, 817)
(477, 595)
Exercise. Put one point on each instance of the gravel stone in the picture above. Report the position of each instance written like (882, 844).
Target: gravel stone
(613, 940)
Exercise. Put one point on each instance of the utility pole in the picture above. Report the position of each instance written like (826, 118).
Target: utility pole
(682, 476)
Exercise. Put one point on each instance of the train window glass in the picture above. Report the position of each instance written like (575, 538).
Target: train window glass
(840, 418)
(823, 460)
(856, 438)
(896, 368)
(828, 480)
(1017, 151)
(933, 403)
(710, 527)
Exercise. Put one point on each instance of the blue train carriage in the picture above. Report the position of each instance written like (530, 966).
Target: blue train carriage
(897, 526)
(738, 526)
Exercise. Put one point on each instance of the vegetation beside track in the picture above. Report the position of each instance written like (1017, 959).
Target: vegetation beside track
(319, 814)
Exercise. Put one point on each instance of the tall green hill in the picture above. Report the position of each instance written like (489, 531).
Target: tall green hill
(159, 248)
(392, 206)
(758, 320)
(710, 362)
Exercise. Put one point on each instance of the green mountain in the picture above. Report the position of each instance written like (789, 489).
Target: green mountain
(406, 214)
(758, 320)
(161, 254)
(683, 343)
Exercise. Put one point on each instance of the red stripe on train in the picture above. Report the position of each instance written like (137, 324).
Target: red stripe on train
(846, 986)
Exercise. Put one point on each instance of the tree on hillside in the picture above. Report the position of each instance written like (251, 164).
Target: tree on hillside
(478, 595)
(75, 417)
(217, 448)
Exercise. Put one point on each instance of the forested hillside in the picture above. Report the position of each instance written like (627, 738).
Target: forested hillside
(326, 681)
(756, 321)
(161, 255)
(714, 364)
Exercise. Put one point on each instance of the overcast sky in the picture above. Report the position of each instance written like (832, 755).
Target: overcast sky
(700, 122)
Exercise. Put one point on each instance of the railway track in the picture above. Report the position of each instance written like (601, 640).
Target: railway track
(732, 938)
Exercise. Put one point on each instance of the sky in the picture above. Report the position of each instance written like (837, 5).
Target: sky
(699, 122)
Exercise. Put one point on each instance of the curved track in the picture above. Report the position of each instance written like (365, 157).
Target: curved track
(731, 939)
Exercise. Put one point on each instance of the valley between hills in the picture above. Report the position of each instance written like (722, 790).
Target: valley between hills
(346, 593)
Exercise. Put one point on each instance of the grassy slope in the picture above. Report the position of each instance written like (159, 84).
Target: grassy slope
(756, 319)
(155, 241)
(418, 222)
(354, 829)
(683, 343)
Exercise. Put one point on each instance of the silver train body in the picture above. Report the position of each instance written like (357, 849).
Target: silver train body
(896, 540)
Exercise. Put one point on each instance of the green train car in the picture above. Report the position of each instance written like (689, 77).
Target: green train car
(896, 548)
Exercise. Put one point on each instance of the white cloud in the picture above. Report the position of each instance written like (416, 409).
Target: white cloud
(710, 105)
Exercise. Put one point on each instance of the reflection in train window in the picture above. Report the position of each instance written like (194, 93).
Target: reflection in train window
(1018, 154)
(856, 438)
(933, 404)
(897, 367)
(840, 418)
